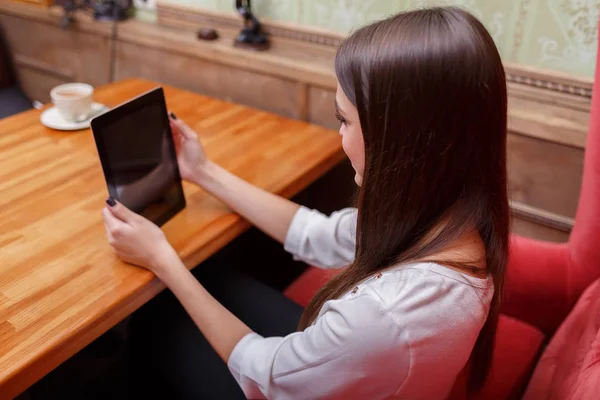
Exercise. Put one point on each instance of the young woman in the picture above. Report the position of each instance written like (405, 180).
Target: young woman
(422, 105)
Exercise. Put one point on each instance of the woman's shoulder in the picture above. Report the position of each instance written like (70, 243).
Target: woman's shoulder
(428, 291)
(423, 316)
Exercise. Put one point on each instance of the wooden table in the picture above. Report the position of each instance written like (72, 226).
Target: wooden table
(60, 284)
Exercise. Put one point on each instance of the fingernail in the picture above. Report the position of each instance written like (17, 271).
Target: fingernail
(172, 114)
(111, 202)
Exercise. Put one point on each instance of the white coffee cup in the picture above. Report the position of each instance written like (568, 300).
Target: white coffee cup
(73, 100)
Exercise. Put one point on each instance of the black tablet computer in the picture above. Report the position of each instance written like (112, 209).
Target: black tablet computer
(138, 157)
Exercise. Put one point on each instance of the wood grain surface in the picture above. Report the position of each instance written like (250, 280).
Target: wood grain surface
(60, 284)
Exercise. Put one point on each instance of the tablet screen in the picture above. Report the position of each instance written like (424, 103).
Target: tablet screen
(138, 157)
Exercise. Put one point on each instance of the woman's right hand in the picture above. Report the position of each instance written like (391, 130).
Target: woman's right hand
(269, 212)
(190, 153)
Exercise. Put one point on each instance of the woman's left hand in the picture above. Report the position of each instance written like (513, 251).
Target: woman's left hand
(135, 239)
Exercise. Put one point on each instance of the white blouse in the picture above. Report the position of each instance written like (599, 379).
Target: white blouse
(405, 333)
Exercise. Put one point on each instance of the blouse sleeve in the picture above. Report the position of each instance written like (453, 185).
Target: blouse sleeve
(354, 350)
(325, 242)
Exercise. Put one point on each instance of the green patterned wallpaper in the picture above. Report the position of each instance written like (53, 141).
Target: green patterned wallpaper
(551, 34)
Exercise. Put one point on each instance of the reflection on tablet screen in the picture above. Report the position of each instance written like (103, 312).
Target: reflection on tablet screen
(138, 155)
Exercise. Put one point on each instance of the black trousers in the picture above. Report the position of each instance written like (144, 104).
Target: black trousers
(169, 357)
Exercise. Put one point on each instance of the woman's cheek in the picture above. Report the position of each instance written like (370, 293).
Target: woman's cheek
(355, 152)
(346, 146)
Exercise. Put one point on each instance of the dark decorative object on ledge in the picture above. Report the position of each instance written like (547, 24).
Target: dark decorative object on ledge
(251, 36)
(208, 34)
(107, 10)
(111, 10)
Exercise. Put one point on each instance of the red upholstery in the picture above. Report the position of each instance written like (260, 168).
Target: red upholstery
(544, 281)
(308, 284)
(570, 366)
(516, 351)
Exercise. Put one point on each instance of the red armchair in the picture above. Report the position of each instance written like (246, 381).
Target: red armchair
(544, 282)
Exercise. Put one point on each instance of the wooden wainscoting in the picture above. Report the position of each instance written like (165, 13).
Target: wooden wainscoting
(45, 55)
(548, 111)
(223, 81)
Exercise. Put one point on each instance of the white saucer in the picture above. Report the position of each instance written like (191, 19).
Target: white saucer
(52, 119)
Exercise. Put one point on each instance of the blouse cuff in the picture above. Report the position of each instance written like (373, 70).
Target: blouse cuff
(236, 358)
(295, 233)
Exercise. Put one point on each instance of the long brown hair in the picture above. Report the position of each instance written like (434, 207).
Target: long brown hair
(430, 91)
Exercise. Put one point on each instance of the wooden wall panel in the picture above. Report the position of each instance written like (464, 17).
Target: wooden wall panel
(61, 55)
(266, 92)
(321, 108)
(544, 175)
(531, 229)
(544, 120)
(37, 84)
